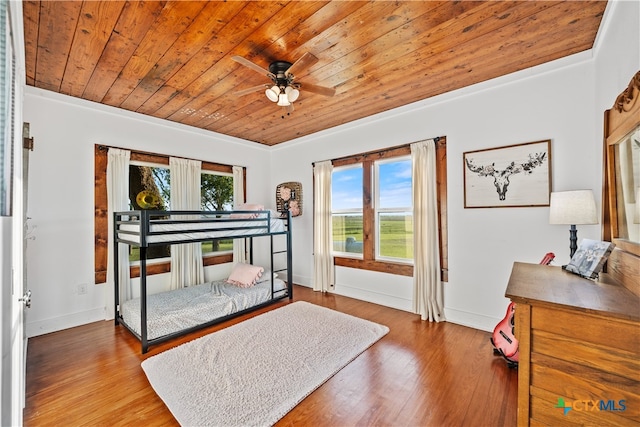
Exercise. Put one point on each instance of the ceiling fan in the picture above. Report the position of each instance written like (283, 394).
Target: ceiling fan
(284, 89)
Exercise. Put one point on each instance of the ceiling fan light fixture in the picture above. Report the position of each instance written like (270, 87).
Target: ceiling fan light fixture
(272, 93)
(285, 90)
(283, 101)
(292, 93)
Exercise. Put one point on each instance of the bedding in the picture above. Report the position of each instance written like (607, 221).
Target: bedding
(248, 207)
(173, 311)
(184, 232)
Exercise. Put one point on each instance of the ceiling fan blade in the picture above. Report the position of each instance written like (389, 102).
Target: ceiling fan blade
(254, 67)
(305, 61)
(320, 90)
(251, 90)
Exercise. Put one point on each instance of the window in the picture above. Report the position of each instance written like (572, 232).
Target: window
(372, 210)
(393, 209)
(346, 207)
(150, 188)
(217, 194)
(391, 182)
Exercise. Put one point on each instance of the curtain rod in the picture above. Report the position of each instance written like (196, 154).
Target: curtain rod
(103, 147)
(209, 165)
(437, 139)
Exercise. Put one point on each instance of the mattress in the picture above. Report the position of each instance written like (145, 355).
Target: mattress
(174, 311)
(179, 232)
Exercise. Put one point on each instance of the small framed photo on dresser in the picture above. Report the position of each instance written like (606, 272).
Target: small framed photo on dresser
(589, 258)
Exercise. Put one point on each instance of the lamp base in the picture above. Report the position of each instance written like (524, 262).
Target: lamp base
(573, 240)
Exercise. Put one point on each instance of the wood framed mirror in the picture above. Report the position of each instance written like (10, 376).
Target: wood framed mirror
(621, 186)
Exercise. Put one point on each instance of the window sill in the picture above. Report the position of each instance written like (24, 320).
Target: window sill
(165, 267)
(379, 266)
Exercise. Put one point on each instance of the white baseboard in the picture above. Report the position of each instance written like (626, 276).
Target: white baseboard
(374, 297)
(472, 320)
(463, 318)
(41, 327)
(298, 280)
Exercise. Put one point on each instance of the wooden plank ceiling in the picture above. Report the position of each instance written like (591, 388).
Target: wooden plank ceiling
(173, 59)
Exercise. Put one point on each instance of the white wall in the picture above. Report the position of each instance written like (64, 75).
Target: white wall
(554, 101)
(617, 54)
(61, 194)
(562, 101)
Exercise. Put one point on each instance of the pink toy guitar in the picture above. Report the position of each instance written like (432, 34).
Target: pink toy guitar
(503, 338)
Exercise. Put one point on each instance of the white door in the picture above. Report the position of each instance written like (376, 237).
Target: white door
(12, 374)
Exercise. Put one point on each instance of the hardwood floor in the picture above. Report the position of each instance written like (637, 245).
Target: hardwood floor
(420, 374)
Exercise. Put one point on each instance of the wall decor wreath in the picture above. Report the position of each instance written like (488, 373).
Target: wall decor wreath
(289, 198)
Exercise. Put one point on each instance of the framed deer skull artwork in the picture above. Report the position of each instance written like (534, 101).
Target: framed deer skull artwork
(509, 176)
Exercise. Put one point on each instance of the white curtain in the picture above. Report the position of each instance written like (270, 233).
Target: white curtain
(322, 233)
(428, 299)
(186, 259)
(239, 247)
(118, 200)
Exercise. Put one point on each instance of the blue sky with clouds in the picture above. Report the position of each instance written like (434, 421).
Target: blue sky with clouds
(395, 186)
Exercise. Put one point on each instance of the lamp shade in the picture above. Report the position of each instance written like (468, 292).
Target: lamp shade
(272, 93)
(283, 101)
(292, 94)
(573, 207)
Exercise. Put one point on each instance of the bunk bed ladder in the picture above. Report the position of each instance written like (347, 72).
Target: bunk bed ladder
(271, 267)
(289, 253)
(143, 299)
(116, 270)
(289, 257)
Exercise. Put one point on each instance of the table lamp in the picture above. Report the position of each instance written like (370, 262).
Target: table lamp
(572, 208)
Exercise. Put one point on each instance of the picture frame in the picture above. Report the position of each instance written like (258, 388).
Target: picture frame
(589, 258)
(516, 175)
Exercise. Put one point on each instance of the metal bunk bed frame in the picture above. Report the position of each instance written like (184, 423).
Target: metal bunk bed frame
(145, 219)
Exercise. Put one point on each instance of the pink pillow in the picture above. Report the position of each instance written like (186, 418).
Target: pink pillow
(245, 275)
(247, 207)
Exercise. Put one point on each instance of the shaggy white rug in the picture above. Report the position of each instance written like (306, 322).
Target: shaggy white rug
(254, 372)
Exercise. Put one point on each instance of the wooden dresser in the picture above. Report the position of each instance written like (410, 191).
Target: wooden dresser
(579, 348)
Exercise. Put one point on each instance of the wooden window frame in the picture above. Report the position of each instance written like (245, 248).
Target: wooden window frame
(101, 219)
(368, 261)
